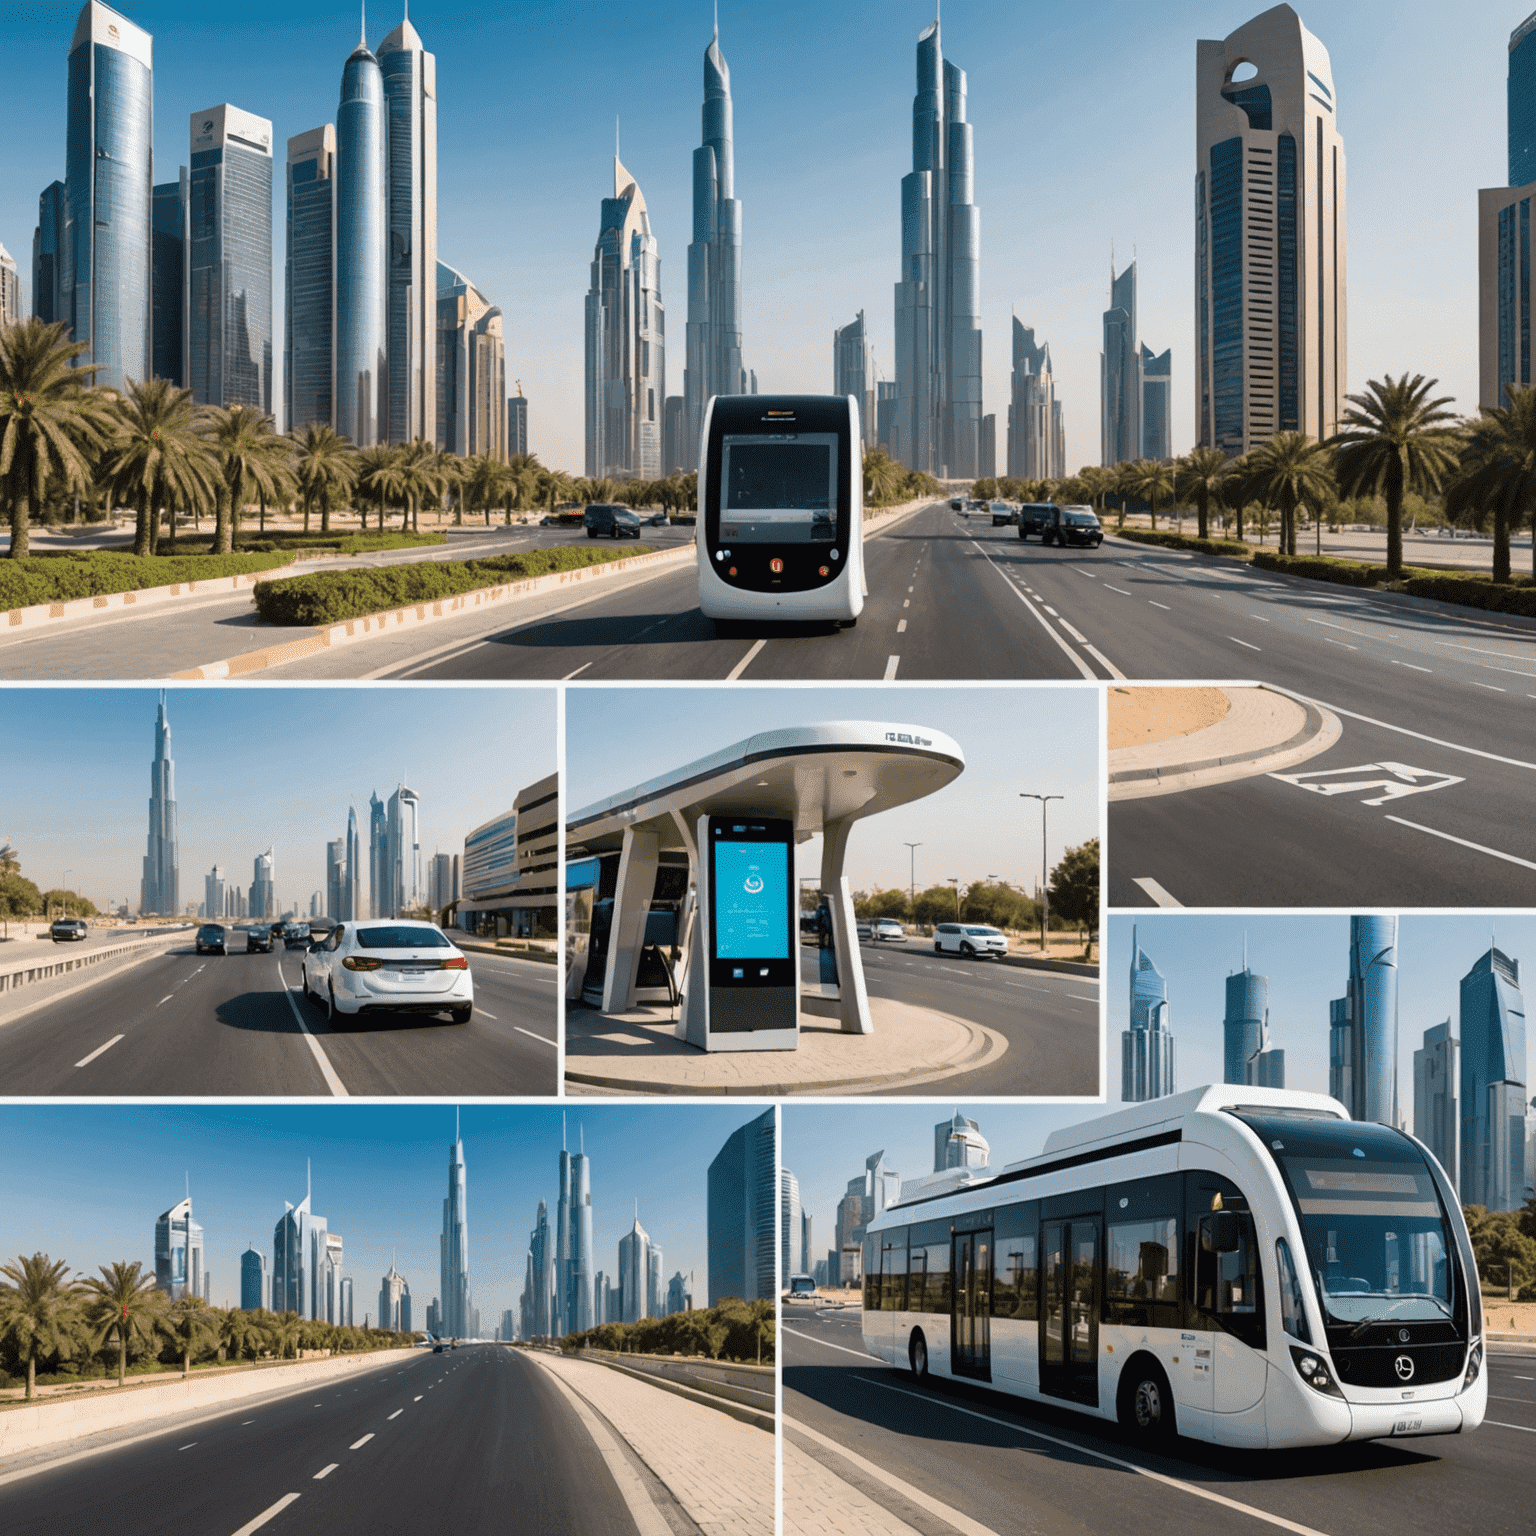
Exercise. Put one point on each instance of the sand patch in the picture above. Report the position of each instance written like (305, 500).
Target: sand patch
(1141, 715)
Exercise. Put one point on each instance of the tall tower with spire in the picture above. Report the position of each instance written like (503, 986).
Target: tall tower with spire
(457, 1312)
(580, 1308)
(1146, 1048)
(352, 876)
(564, 1322)
(160, 886)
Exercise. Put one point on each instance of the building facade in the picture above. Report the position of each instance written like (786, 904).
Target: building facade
(958, 1143)
(789, 1226)
(255, 1282)
(309, 332)
(1156, 404)
(50, 297)
(1033, 450)
(215, 894)
(853, 373)
(394, 1300)
(1436, 1073)
(1493, 1084)
(298, 1253)
(179, 1268)
(171, 245)
(361, 266)
(470, 374)
(160, 885)
(578, 1292)
(352, 878)
(335, 877)
(634, 1273)
(1362, 1032)
(402, 888)
(1147, 1047)
(457, 1306)
(517, 424)
(1521, 98)
(263, 899)
(1120, 373)
(1246, 1056)
(743, 1214)
(10, 289)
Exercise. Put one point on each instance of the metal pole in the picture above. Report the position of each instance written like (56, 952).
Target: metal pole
(912, 878)
(1045, 895)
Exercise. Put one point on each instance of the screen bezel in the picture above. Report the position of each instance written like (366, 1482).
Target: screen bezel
(781, 972)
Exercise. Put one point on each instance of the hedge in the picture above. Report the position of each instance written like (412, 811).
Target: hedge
(1178, 541)
(328, 597)
(1344, 573)
(58, 578)
(1475, 592)
(299, 541)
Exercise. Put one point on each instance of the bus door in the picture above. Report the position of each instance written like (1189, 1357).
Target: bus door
(970, 1329)
(1228, 1314)
(1069, 1317)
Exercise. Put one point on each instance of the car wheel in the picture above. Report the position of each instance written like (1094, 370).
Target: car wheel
(461, 1015)
(331, 1015)
(968, 951)
(1144, 1404)
(917, 1357)
(938, 948)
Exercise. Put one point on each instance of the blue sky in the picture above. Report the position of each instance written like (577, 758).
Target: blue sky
(1084, 118)
(255, 766)
(85, 1184)
(1040, 739)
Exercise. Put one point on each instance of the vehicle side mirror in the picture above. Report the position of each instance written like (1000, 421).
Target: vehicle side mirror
(1224, 1233)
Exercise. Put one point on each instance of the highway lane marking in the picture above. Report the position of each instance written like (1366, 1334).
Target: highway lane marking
(746, 661)
(1163, 606)
(1328, 624)
(357, 1445)
(1078, 996)
(85, 1061)
(891, 663)
(1411, 666)
(190, 1443)
(1524, 1428)
(911, 589)
(907, 602)
(334, 1083)
(1156, 892)
(1076, 634)
(1243, 643)
(1348, 647)
(1077, 661)
(1481, 650)
(417, 1399)
(1120, 590)
(1495, 853)
(901, 627)
(396, 1414)
(577, 673)
(1260, 617)
(169, 995)
(244, 1422)
(1050, 610)
(1402, 730)
(1491, 687)
(326, 1471)
(484, 1014)
(542, 1039)
(267, 1514)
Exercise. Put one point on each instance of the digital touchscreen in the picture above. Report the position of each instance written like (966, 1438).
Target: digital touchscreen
(751, 900)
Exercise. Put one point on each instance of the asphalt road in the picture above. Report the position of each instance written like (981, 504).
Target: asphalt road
(1012, 1467)
(230, 1025)
(478, 1440)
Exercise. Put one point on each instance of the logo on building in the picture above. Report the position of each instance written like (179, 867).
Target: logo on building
(907, 739)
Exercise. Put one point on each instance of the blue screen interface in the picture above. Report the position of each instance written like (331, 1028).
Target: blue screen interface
(751, 901)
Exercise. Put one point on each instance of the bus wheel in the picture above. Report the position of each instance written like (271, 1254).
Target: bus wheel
(1145, 1403)
(917, 1354)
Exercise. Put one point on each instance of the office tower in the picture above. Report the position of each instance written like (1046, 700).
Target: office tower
(172, 238)
(310, 296)
(345, 1319)
(1522, 103)
(410, 105)
(255, 1282)
(655, 1286)
(600, 1290)
(539, 1286)
(517, 424)
(1435, 1074)
(229, 260)
(434, 1319)
(1493, 1084)
(579, 1306)
(439, 881)
(806, 1259)
(789, 1225)
(49, 298)
(379, 899)
(402, 854)
(263, 887)
(335, 877)
(1156, 404)
(958, 1143)
(938, 299)
(215, 894)
(469, 378)
(179, 1251)
(298, 1257)
(328, 1284)
(351, 888)
(1504, 238)
(457, 1306)
(1058, 440)
(361, 410)
(10, 289)
(393, 1291)
(1031, 445)
(1147, 1047)
(1270, 249)
(626, 373)
(713, 363)
(1120, 373)
(108, 182)
(1362, 1033)
(987, 466)
(563, 1324)
(743, 1219)
(1246, 1056)
(853, 373)
(160, 886)
(885, 414)
(634, 1272)
(679, 1293)
(675, 454)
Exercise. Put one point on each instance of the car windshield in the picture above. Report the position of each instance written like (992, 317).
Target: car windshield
(985, 933)
(402, 937)
(218, 931)
(1082, 519)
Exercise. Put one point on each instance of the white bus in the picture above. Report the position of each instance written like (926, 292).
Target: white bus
(1242, 1265)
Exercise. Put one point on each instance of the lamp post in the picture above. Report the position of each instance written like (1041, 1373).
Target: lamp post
(1045, 895)
(954, 882)
(912, 878)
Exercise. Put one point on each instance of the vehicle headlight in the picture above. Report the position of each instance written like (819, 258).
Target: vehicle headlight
(1474, 1364)
(1314, 1370)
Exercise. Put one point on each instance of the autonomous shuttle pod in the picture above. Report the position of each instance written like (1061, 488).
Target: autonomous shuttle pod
(685, 890)
(781, 509)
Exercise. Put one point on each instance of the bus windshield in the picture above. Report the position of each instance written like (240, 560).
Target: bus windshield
(779, 489)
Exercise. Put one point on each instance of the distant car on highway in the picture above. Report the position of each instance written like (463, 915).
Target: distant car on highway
(1075, 525)
(973, 940)
(657, 520)
(889, 931)
(211, 939)
(1035, 517)
(258, 939)
(393, 965)
(957, 504)
(864, 931)
(1002, 514)
(801, 1285)
(65, 930)
(295, 935)
(612, 521)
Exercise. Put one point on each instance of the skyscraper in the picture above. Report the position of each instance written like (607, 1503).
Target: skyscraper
(351, 891)
(680, 1293)
(634, 1272)
(179, 1252)
(330, 1303)
(335, 878)
(958, 1143)
(310, 295)
(160, 887)
(1493, 1084)
(51, 295)
(937, 424)
(457, 1307)
(517, 425)
(362, 237)
(172, 240)
(1156, 403)
(470, 374)
(807, 1257)
(1120, 373)
(853, 372)
(743, 1215)
(394, 1298)
(255, 1282)
(789, 1225)
(229, 260)
(563, 1242)
(215, 894)
(1362, 1033)
(1522, 103)
(1270, 249)
(263, 885)
(402, 854)
(1246, 1056)
(1435, 1077)
(655, 1286)
(298, 1257)
(1147, 1047)
(379, 899)
(108, 184)
(410, 104)
(713, 363)
(540, 1285)
(626, 373)
(10, 289)
(1032, 450)
(579, 1306)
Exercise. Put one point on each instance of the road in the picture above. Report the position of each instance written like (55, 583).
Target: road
(455, 1442)
(236, 1025)
(1006, 1466)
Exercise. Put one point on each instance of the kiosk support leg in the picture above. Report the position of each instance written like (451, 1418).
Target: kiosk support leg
(854, 1000)
(631, 906)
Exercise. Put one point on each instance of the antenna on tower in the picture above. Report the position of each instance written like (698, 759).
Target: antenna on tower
(717, 20)
(362, 36)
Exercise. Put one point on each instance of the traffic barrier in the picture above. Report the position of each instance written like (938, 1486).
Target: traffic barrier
(10, 980)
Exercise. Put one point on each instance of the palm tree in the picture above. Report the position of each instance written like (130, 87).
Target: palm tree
(324, 463)
(50, 423)
(1151, 479)
(1395, 440)
(448, 473)
(285, 1333)
(418, 479)
(156, 457)
(189, 1324)
(882, 476)
(379, 473)
(37, 1301)
(254, 459)
(554, 486)
(1288, 471)
(1497, 474)
(121, 1303)
(483, 483)
(1201, 473)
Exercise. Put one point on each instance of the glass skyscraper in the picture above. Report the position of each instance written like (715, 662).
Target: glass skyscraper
(108, 181)
(402, 854)
(456, 1306)
(298, 1259)
(351, 892)
(1522, 103)
(1034, 451)
(1120, 373)
(1362, 1033)
(470, 381)
(1435, 1078)
(263, 885)
(255, 1283)
(1146, 1048)
(173, 233)
(179, 1253)
(309, 334)
(1493, 1084)
(49, 290)
(634, 1273)
(789, 1225)
(160, 885)
(579, 1290)
(379, 900)
(362, 236)
(853, 372)
(1156, 404)
(1246, 1057)
(743, 1215)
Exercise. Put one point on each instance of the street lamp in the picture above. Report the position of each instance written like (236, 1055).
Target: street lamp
(1045, 895)
(952, 881)
(912, 878)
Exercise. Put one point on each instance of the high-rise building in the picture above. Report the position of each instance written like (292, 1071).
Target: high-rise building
(394, 1298)
(1156, 403)
(958, 1143)
(655, 1286)
(600, 1300)
(1522, 103)
(10, 289)
(457, 1305)
(1435, 1075)
(517, 424)
(160, 885)
(789, 1225)
(885, 414)
(866, 1197)
(351, 890)
(329, 1299)
(1120, 373)
(410, 104)
(298, 1258)
(1270, 249)
(470, 372)
(987, 465)
(434, 1318)
(713, 364)
(807, 1255)
(938, 298)
(579, 1302)
(51, 297)
(344, 1320)
(626, 374)
(440, 889)
(380, 902)
(1362, 1032)
(853, 372)
(1031, 449)
(402, 854)
(1493, 1084)
(335, 878)
(255, 1282)
(1246, 1056)
(679, 1293)
(215, 894)
(362, 239)
(310, 296)
(634, 1272)
(179, 1252)
(535, 1304)
(229, 260)
(563, 1242)
(109, 181)
(263, 885)
(743, 1215)
(172, 242)
(1147, 1047)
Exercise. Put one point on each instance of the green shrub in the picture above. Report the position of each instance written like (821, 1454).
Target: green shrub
(1178, 541)
(1474, 592)
(58, 578)
(328, 597)
(299, 541)
(1344, 573)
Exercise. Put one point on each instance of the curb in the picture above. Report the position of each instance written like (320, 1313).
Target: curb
(1312, 723)
(1041, 963)
(350, 630)
(148, 597)
(738, 1411)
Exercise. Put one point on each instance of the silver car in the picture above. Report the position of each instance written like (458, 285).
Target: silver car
(389, 965)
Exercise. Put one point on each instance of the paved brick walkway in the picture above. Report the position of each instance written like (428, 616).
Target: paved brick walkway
(817, 1502)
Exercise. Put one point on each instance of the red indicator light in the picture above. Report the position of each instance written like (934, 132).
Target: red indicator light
(776, 566)
(732, 571)
(824, 569)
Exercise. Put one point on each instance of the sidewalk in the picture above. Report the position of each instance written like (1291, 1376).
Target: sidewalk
(639, 1052)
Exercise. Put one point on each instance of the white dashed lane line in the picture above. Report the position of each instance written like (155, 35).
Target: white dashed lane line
(357, 1445)
(326, 1471)
(85, 1061)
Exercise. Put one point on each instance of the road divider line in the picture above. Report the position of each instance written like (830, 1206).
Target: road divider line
(334, 1083)
(326, 1471)
(1243, 643)
(396, 1414)
(1523, 1428)
(169, 995)
(188, 1446)
(1103, 660)
(1076, 634)
(1494, 853)
(1491, 687)
(1156, 892)
(481, 1011)
(1077, 661)
(267, 1514)
(1410, 666)
(357, 1445)
(1163, 606)
(85, 1061)
(1120, 590)
(891, 663)
(1402, 730)
(577, 673)
(543, 1039)
(745, 662)
(901, 627)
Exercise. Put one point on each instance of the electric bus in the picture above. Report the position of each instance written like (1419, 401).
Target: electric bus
(781, 509)
(1242, 1265)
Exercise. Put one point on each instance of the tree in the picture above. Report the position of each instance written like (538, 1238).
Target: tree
(284, 1334)
(156, 458)
(1396, 439)
(380, 474)
(1075, 885)
(1496, 474)
(190, 1325)
(1151, 479)
(38, 1305)
(120, 1305)
(935, 905)
(254, 460)
(1288, 471)
(324, 463)
(420, 478)
(1199, 478)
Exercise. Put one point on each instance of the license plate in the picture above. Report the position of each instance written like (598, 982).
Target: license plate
(1407, 1426)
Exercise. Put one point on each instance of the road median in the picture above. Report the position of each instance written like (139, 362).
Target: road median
(23, 988)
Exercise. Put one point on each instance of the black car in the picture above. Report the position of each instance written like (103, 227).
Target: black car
(211, 940)
(1035, 517)
(65, 929)
(1075, 525)
(296, 935)
(612, 521)
(258, 940)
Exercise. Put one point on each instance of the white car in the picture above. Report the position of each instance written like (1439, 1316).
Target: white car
(389, 965)
(889, 931)
(974, 940)
(864, 930)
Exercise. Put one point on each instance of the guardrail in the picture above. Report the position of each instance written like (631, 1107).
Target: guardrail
(26, 975)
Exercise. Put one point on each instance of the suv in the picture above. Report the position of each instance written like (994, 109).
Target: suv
(258, 939)
(1002, 514)
(211, 939)
(617, 522)
(888, 930)
(1074, 525)
(1036, 516)
(66, 929)
(973, 940)
(295, 935)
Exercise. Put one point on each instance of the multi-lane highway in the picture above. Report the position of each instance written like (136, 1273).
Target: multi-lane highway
(478, 1440)
(952, 1458)
(237, 1024)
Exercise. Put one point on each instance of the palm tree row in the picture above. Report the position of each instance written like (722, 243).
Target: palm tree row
(117, 1314)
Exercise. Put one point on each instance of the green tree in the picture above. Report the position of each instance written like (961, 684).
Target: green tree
(38, 1309)
(1288, 471)
(1199, 478)
(1075, 885)
(121, 1305)
(1496, 474)
(325, 465)
(935, 905)
(1153, 480)
(189, 1323)
(254, 461)
(156, 458)
(380, 474)
(284, 1332)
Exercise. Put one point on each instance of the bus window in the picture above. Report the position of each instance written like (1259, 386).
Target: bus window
(1228, 1291)
(1293, 1316)
(871, 1275)
(1015, 1289)
(932, 1238)
(1142, 1272)
(893, 1273)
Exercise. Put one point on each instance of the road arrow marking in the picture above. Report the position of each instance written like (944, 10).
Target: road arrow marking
(1403, 780)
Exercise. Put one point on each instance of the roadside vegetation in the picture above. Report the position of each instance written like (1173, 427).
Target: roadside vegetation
(1504, 1243)
(21, 899)
(734, 1330)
